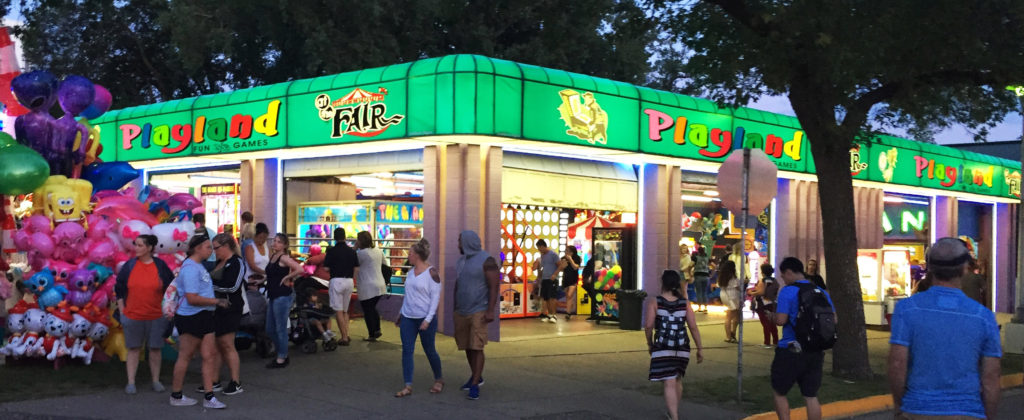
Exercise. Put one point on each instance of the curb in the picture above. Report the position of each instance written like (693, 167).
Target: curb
(867, 405)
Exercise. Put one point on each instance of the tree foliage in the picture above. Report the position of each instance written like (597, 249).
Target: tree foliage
(153, 50)
(846, 67)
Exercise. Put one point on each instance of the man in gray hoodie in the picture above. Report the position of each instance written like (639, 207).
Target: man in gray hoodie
(476, 300)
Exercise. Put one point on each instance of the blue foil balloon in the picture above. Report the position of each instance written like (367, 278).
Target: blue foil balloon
(109, 175)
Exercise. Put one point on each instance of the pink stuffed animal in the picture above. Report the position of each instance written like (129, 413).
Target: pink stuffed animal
(68, 237)
(104, 294)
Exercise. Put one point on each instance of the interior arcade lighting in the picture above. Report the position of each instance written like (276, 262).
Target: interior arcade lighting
(710, 193)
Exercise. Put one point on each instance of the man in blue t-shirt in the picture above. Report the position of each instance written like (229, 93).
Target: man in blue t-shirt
(793, 365)
(944, 349)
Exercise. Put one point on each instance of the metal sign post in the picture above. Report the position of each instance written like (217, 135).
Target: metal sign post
(740, 192)
(743, 268)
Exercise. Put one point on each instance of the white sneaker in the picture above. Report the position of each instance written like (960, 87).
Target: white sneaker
(184, 401)
(213, 403)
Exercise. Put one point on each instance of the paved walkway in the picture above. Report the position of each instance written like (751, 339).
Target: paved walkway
(574, 370)
(586, 372)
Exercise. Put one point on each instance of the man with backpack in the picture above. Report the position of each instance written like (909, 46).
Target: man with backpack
(807, 317)
(952, 340)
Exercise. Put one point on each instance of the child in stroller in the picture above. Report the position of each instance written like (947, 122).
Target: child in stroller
(310, 317)
(252, 329)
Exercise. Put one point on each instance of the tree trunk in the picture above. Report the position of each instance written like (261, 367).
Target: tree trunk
(830, 146)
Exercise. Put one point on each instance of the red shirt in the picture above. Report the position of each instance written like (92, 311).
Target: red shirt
(145, 293)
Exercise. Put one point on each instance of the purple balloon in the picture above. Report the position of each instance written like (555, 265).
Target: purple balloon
(76, 93)
(100, 104)
(37, 91)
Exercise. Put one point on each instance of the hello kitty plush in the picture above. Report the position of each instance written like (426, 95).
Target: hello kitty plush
(81, 287)
(33, 327)
(130, 230)
(15, 324)
(57, 323)
(173, 237)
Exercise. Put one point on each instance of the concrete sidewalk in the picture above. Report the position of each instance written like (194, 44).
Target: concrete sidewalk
(583, 372)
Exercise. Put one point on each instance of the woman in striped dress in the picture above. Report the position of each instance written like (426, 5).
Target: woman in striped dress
(667, 317)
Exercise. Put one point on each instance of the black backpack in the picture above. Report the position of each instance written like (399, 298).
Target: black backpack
(815, 319)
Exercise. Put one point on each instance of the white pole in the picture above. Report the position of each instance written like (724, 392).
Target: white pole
(742, 271)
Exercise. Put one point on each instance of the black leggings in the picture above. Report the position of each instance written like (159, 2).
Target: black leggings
(370, 315)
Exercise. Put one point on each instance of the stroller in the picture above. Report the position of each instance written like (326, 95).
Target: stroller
(253, 328)
(303, 332)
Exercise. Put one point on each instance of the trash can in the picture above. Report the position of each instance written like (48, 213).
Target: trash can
(631, 304)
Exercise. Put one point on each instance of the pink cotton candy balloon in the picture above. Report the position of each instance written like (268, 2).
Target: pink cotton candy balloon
(41, 244)
(101, 252)
(39, 223)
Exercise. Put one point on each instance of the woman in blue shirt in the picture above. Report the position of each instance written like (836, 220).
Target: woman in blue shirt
(194, 320)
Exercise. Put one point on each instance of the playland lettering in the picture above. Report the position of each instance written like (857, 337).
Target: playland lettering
(239, 127)
(716, 143)
(360, 113)
(947, 175)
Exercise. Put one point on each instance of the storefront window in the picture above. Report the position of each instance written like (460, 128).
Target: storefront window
(713, 227)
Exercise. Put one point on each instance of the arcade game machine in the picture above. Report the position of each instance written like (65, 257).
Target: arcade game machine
(522, 226)
(221, 204)
(614, 269)
(318, 219)
(397, 226)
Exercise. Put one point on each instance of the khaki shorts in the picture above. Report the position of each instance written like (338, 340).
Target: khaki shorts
(470, 331)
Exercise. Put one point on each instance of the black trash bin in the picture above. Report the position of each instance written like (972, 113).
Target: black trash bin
(631, 304)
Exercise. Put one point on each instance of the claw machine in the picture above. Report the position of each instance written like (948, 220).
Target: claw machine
(885, 278)
(221, 204)
(614, 269)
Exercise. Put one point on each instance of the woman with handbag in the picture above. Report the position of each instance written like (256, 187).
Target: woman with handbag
(369, 283)
(194, 319)
(139, 288)
(228, 280)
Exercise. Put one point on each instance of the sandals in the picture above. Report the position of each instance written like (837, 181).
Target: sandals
(437, 387)
(405, 392)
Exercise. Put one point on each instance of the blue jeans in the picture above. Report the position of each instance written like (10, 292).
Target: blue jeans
(700, 284)
(277, 323)
(408, 329)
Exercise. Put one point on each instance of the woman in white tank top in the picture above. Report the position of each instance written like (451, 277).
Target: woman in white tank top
(257, 253)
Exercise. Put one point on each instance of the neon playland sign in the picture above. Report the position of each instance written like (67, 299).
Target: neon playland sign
(716, 143)
(205, 134)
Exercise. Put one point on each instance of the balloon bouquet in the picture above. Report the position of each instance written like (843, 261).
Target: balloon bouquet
(83, 221)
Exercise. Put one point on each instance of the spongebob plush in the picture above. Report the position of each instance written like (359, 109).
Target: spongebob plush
(62, 199)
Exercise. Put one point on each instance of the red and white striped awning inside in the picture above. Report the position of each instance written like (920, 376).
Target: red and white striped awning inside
(9, 69)
(359, 95)
(582, 229)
